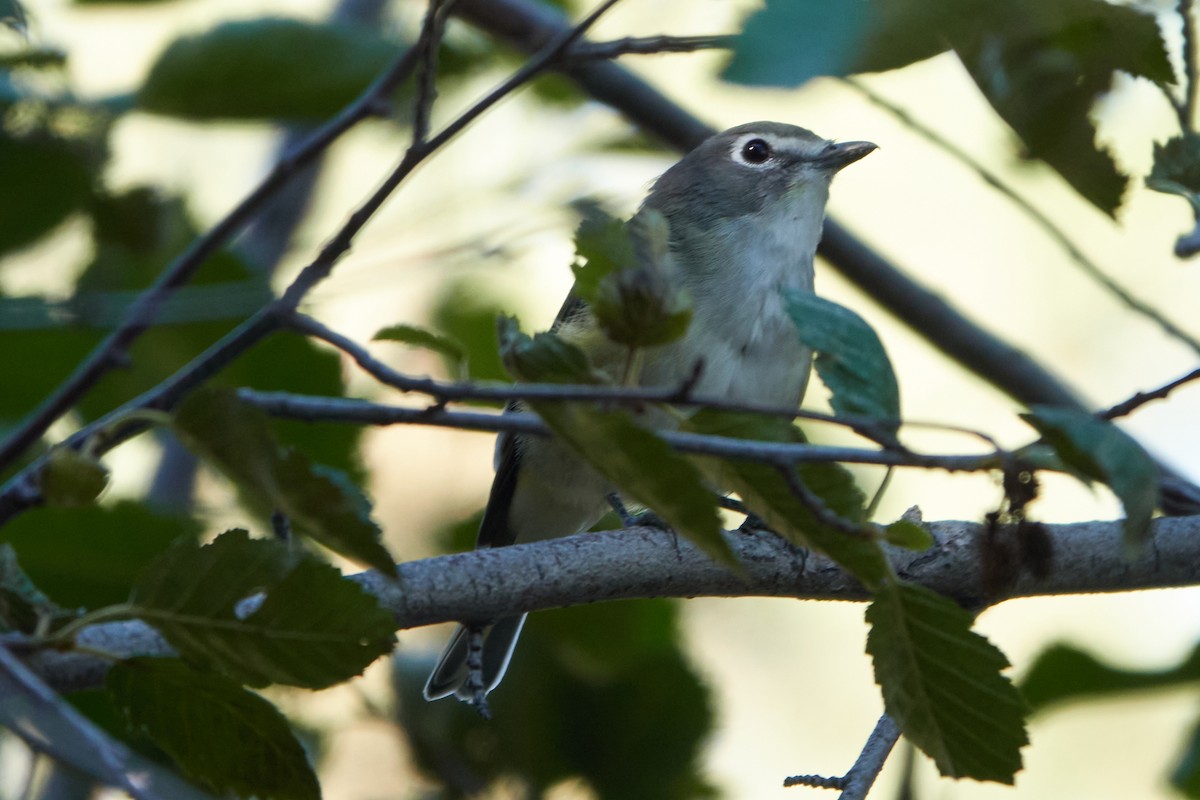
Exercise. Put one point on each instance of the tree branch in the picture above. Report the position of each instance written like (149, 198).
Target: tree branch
(644, 562)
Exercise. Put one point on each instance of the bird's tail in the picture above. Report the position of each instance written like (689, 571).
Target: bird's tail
(450, 675)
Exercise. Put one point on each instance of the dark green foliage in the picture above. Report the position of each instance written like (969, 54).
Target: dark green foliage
(267, 68)
(221, 735)
(595, 692)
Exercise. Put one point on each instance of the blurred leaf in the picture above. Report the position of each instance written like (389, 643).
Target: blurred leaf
(1186, 775)
(562, 673)
(90, 557)
(313, 629)
(640, 464)
(221, 735)
(943, 686)
(453, 352)
(236, 438)
(46, 178)
(22, 605)
(645, 468)
(71, 479)
(267, 68)
(1102, 451)
(470, 319)
(850, 358)
(1062, 673)
(787, 42)
(908, 535)
(769, 495)
(44, 720)
(1177, 168)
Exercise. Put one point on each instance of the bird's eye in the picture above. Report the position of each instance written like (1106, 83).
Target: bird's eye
(756, 151)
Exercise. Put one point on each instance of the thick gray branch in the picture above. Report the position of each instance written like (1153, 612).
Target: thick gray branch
(641, 562)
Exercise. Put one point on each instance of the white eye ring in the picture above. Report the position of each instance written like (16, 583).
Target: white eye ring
(752, 151)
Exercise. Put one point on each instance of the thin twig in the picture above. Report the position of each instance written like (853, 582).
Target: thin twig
(1141, 398)
(430, 42)
(645, 45)
(340, 409)
(1187, 110)
(1089, 267)
(867, 427)
(110, 352)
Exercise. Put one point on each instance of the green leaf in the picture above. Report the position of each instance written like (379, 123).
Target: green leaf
(46, 178)
(943, 686)
(71, 479)
(452, 351)
(769, 495)
(787, 42)
(1102, 451)
(470, 318)
(314, 628)
(222, 736)
(543, 357)
(642, 303)
(602, 246)
(909, 535)
(643, 467)
(1062, 673)
(268, 68)
(1177, 168)
(850, 358)
(236, 438)
(109, 548)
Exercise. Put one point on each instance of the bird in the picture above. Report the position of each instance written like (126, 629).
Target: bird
(744, 213)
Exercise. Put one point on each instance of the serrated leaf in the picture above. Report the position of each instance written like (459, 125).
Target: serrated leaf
(236, 438)
(943, 686)
(769, 495)
(312, 629)
(1062, 673)
(71, 479)
(850, 359)
(53, 728)
(1103, 451)
(268, 68)
(626, 275)
(908, 535)
(543, 357)
(450, 350)
(221, 735)
(643, 467)
(602, 246)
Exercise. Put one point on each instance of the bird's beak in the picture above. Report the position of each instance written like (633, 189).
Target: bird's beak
(843, 154)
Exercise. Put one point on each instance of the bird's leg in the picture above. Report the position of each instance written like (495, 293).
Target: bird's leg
(474, 684)
(646, 519)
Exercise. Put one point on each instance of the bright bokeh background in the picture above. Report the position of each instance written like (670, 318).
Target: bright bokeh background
(794, 691)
